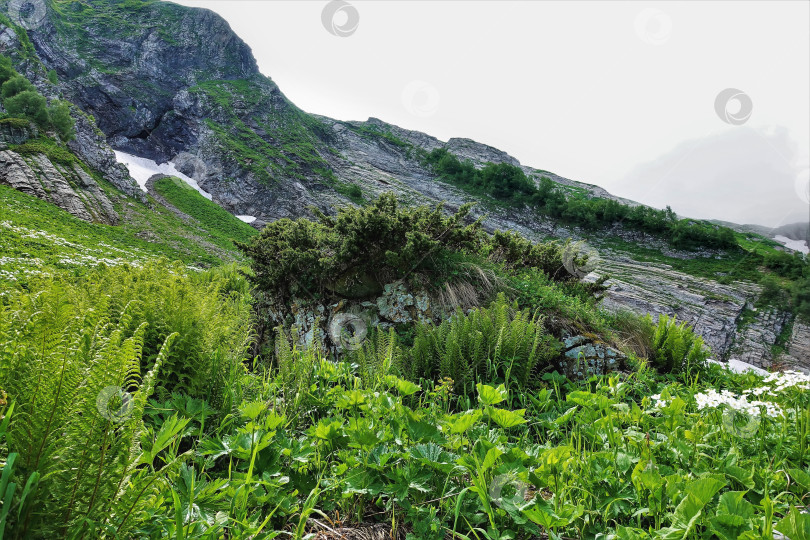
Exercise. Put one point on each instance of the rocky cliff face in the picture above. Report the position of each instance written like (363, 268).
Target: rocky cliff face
(125, 62)
(174, 83)
(66, 185)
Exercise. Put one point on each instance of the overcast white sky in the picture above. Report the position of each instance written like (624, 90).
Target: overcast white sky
(619, 94)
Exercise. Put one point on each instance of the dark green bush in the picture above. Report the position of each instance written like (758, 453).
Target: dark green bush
(801, 297)
(358, 250)
(354, 192)
(502, 181)
(7, 71)
(16, 85)
(21, 99)
(30, 105)
(61, 120)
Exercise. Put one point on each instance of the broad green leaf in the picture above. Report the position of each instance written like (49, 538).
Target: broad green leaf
(464, 421)
(698, 494)
(489, 395)
(795, 525)
(734, 504)
(623, 462)
(705, 488)
(431, 452)
(688, 512)
(566, 416)
(420, 431)
(507, 419)
(729, 527)
(555, 456)
(364, 436)
(492, 456)
(628, 533)
(405, 388)
(329, 431)
(544, 514)
(351, 399)
(646, 475)
(671, 533)
(588, 399)
(801, 477)
(744, 477)
(253, 409)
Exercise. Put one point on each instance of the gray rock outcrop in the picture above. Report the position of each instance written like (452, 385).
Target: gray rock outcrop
(68, 187)
(798, 347)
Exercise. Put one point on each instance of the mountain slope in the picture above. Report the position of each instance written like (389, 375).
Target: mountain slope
(173, 83)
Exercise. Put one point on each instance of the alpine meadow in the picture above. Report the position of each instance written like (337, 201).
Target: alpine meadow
(224, 317)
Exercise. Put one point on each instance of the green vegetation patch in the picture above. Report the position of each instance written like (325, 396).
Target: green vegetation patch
(53, 150)
(508, 183)
(293, 151)
(22, 101)
(215, 219)
(39, 238)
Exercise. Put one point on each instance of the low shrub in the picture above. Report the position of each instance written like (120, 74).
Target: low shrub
(356, 252)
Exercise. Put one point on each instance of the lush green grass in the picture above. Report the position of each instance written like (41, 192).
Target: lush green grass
(215, 219)
(40, 238)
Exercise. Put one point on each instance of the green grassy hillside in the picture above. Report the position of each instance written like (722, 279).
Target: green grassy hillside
(217, 221)
(38, 237)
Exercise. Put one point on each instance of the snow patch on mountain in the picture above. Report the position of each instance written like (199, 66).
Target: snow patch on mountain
(142, 169)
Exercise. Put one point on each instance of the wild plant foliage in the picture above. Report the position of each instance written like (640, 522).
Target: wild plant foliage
(677, 348)
(356, 251)
(75, 379)
(495, 343)
(379, 356)
(79, 360)
(212, 324)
